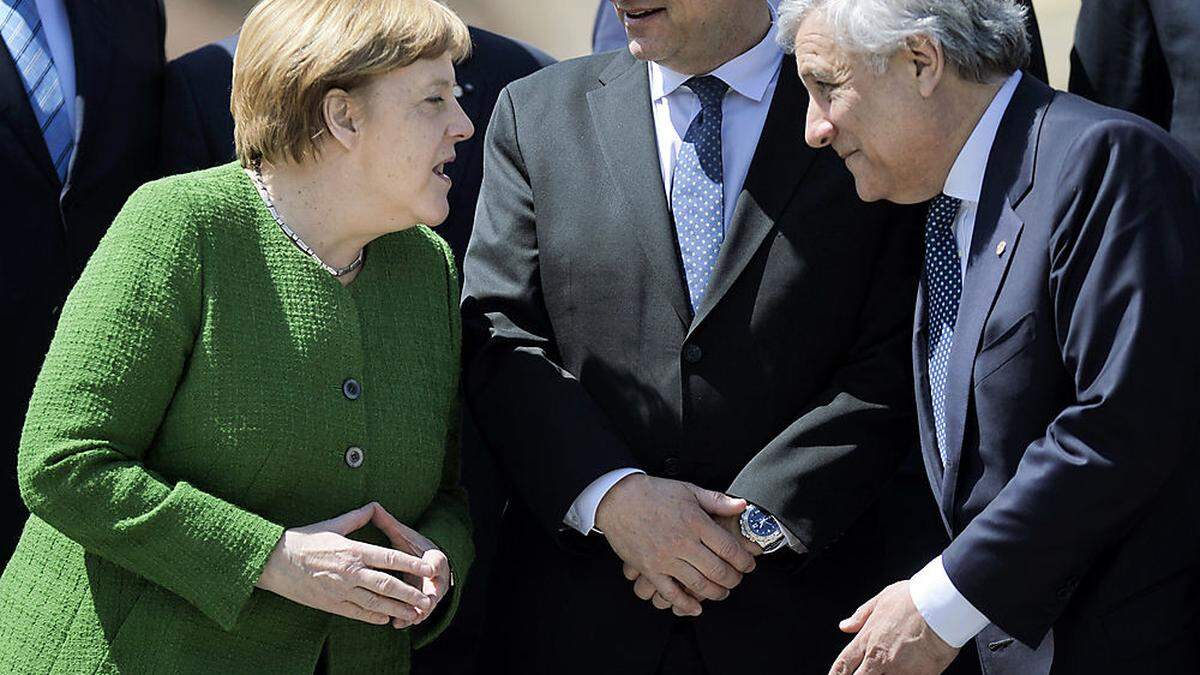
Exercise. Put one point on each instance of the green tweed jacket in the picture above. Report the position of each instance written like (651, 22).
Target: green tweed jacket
(203, 392)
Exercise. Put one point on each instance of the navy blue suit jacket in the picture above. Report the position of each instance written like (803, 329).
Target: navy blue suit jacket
(1071, 394)
(51, 228)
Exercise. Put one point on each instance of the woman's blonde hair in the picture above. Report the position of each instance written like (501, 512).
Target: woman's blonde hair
(292, 52)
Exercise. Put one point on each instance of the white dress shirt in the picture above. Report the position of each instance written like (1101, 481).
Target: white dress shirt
(947, 612)
(58, 35)
(751, 77)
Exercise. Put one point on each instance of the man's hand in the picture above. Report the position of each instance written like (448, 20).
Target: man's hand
(646, 590)
(892, 638)
(665, 530)
(733, 525)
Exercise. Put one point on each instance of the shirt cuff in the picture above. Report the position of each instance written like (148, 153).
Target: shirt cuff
(582, 514)
(947, 612)
(792, 542)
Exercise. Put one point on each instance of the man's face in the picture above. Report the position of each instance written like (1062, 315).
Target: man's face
(677, 32)
(878, 123)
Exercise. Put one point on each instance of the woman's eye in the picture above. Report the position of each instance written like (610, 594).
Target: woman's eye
(435, 99)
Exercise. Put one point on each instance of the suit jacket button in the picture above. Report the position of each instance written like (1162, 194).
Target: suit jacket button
(671, 466)
(693, 354)
(354, 457)
(352, 389)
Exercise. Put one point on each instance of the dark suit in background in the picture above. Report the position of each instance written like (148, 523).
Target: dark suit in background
(787, 388)
(1071, 426)
(197, 123)
(1142, 56)
(51, 229)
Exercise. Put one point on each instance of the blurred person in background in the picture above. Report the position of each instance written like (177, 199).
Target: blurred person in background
(198, 133)
(1142, 56)
(254, 386)
(80, 100)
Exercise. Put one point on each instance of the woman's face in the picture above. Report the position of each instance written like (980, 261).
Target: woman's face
(411, 124)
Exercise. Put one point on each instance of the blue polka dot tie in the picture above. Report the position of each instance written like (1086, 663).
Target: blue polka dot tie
(698, 189)
(21, 29)
(943, 289)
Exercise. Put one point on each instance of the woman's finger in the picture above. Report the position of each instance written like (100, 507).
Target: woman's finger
(356, 612)
(441, 572)
(402, 536)
(350, 521)
(387, 585)
(380, 604)
(382, 558)
(659, 602)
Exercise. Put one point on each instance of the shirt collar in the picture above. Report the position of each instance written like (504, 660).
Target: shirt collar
(749, 74)
(965, 180)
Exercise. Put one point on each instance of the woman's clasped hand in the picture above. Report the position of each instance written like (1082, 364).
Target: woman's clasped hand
(321, 567)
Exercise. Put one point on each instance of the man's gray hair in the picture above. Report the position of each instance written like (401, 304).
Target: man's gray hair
(980, 38)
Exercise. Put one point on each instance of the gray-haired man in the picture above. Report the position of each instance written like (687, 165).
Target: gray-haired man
(1054, 346)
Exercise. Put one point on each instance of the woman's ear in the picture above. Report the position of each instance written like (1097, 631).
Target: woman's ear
(927, 63)
(343, 117)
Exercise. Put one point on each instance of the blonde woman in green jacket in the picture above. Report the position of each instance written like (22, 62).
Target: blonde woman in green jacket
(241, 452)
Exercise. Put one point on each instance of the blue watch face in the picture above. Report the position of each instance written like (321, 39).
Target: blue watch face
(761, 524)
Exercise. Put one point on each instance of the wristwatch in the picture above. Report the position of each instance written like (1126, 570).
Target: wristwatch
(761, 528)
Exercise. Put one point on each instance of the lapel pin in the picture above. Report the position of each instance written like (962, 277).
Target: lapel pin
(1000, 248)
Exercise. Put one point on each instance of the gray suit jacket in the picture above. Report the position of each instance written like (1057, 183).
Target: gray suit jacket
(789, 386)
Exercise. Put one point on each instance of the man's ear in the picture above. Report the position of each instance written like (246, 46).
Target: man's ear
(343, 117)
(926, 62)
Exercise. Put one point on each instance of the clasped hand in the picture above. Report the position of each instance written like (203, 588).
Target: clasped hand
(320, 567)
(674, 547)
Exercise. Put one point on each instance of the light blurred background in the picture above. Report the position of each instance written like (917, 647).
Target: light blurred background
(561, 27)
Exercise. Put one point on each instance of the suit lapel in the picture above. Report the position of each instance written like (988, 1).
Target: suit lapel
(780, 161)
(994, 242)
(624, 123)
(17, 114)
(91, 34)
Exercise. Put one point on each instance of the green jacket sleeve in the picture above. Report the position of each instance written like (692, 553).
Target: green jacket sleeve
(122, 346)
(447, 521)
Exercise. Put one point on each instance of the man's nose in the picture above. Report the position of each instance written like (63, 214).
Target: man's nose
(818, 130)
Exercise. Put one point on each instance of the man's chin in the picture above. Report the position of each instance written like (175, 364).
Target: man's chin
(866, 191)
(644, 49)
